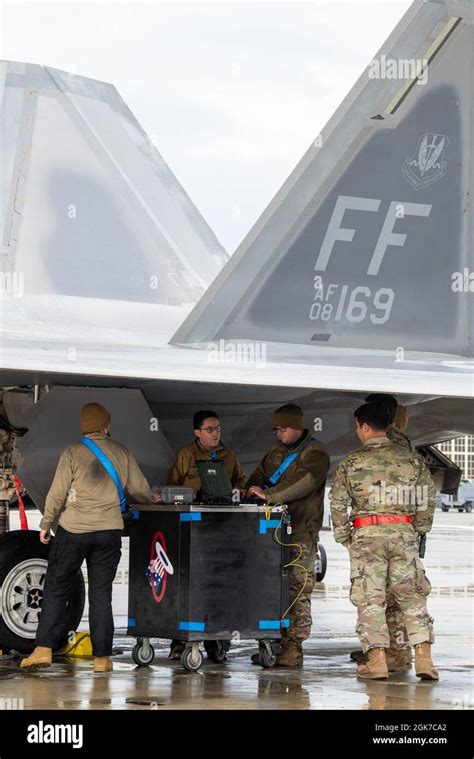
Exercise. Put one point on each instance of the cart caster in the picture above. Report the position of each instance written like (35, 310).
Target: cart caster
(321, 563)
(266, 654)
(143, 652)
(192, 658)
(216, 650)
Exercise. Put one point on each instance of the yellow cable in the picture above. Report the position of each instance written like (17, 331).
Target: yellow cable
(292, 563)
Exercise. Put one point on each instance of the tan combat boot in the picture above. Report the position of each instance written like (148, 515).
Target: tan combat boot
(177, 648)
(424, 666)
(398, 659)
(376, 666)
(291, 655)
(102, 664)
(40, 658)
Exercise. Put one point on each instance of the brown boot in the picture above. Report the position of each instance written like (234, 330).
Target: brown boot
(291, 655)
(376, 666)
(176, 649)
(102, 664)
(424, 666)
(398, 659)
(40, 658)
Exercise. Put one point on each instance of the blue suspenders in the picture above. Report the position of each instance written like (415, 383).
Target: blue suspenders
(278, 473)
(109, 468)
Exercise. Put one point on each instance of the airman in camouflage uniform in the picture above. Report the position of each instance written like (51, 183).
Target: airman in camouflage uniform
(301, 486)
(398, 655)
(390, 490)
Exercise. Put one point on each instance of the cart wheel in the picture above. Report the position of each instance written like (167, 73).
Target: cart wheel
(321, 563)
(191, 659)
(267, 656)
(139, 656)
(216, 650)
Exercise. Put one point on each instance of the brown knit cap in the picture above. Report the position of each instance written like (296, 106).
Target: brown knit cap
(401, 418)
(94, 418)
(289, 416)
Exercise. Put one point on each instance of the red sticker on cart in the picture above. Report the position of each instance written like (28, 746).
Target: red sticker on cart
(159, 567)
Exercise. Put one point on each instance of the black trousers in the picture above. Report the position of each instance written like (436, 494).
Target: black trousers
(101, 551)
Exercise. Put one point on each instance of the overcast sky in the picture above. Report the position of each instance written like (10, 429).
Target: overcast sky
(232, 94)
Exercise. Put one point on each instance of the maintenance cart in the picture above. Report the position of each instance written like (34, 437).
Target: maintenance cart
(208, 574)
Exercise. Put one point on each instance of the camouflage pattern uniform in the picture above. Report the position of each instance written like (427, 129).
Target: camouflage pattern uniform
(385, 478)
(301, 487)
(394, 616)
(300, 614)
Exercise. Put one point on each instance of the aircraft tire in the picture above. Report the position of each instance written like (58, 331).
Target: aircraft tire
(23, 564)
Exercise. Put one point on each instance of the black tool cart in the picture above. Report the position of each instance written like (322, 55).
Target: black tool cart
(207, 574)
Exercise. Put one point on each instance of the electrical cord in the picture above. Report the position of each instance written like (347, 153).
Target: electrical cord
(294, 562)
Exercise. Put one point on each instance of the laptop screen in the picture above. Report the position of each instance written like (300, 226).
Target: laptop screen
(214, 478)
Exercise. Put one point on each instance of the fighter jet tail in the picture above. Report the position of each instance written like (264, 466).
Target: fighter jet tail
(89, 207)
(369, 243)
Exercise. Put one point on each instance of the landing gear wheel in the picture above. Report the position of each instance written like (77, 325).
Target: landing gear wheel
(143, 654)
(23, 565)
(266, 654)
(444, 508)
(216, 650)
(468, 508)
(192, 658)
(321, 563)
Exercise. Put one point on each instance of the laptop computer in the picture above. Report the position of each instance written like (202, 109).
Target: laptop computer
(216, 484)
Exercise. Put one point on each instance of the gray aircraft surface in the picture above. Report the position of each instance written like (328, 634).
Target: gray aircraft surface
(357, 278)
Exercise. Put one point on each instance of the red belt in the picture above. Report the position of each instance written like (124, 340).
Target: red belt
(382, 519)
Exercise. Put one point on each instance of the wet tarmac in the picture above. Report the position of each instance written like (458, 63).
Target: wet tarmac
(327, 679)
